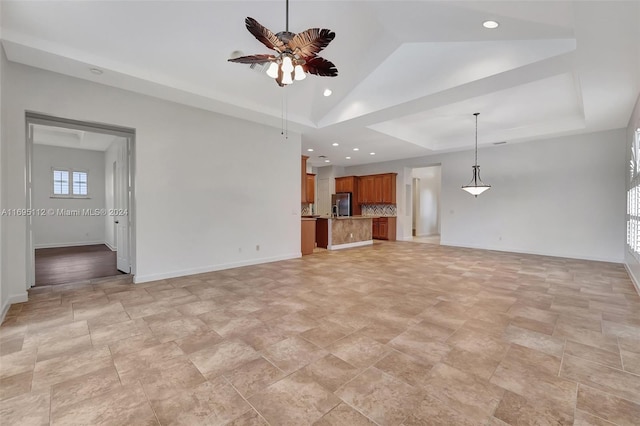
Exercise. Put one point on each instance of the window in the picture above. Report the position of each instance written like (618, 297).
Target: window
(76, 187)
(633, 199)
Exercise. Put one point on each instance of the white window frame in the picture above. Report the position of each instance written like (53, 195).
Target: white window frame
(633, 199)
(70, 194)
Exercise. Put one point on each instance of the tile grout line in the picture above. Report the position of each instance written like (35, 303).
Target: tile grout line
(148, 400)
(246, 399)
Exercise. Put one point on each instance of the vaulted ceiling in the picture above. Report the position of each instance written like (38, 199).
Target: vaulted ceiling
(411, 74)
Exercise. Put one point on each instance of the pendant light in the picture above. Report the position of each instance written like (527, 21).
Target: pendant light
(476, 186)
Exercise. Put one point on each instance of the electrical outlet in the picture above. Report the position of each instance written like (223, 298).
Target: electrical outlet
(351, 235)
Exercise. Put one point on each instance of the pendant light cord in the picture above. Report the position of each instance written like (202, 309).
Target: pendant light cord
(476, 114)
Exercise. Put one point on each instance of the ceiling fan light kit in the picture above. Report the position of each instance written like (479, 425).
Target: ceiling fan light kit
(476, 187)
(297, 53)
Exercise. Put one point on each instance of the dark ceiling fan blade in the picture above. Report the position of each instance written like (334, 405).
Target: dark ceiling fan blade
(254, 59)
(320, 66)
(308, 43)
(264, 35)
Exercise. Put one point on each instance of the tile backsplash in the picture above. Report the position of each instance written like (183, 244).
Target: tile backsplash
(306, 210)
(389, 210)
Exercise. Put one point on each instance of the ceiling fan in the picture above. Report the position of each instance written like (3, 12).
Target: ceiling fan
(297, 53)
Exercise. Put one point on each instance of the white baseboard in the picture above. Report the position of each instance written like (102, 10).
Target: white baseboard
(351, 245)
(19, 298)
(634, 279)
(112, 248)
(516, 250)
(212, 268)
(58, 245)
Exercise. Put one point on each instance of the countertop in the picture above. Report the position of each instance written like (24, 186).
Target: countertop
(348, 217)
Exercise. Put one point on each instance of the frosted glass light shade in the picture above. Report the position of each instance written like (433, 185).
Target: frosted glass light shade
(286, 77)
(476, 190)
(272, 71)
(476, 186)
(287, 65)
(298, 73)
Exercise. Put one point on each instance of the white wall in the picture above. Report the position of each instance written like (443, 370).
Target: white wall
(59, 230)
(632, 264)
(205, 183)
(560, 197)
(428, 200)
(5, 293)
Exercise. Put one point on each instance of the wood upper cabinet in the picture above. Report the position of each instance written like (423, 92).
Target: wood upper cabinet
(388, 184)
(366, 189)
(347, 184)
(310, 183)
(303, 180)
(377, 189)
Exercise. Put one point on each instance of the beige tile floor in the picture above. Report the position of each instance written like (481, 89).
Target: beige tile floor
(395, 333)
(430, 239)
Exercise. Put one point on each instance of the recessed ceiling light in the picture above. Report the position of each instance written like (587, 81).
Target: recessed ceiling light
(348, 158)
(490, 24)
(327, 161)
(335, 144)
(356, 149)
(372, 153)
(96, 71)
(310, 149)
(327, 92)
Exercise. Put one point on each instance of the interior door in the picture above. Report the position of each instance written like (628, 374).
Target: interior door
(121, 209)
(324, 197)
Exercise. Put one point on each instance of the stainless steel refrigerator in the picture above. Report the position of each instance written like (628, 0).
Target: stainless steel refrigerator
(341, 204)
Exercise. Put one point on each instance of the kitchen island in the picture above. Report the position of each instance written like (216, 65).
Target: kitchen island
(335, 233)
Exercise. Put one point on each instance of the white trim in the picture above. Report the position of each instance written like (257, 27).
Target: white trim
(19, 298)
(112, 248)
(405, 239)
(633, 278)
(70, 244)
(514, 250)
(351, 245)
(193, 271)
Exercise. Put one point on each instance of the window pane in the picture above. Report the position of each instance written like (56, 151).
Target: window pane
(60, 182)
(79, 183)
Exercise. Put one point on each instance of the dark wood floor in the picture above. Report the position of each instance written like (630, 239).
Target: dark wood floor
(71, 264)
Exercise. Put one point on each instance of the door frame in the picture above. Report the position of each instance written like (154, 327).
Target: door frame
(129, 134)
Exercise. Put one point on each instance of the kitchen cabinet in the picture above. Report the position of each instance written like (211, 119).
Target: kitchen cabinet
(308, 235)
(303, 179)
(388, 188)
(383, 228)
(310, 183)
(322, 232)
(350, 184)
(375, 228)
(347, 184)
(366, 190)
(377, 189)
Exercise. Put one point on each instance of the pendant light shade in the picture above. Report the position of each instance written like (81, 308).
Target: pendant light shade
(476, 186)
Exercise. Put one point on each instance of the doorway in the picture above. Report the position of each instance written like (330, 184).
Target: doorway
(425, 217)
(80, 190)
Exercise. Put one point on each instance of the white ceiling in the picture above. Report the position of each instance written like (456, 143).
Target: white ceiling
(411, 74)
(71, 138)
